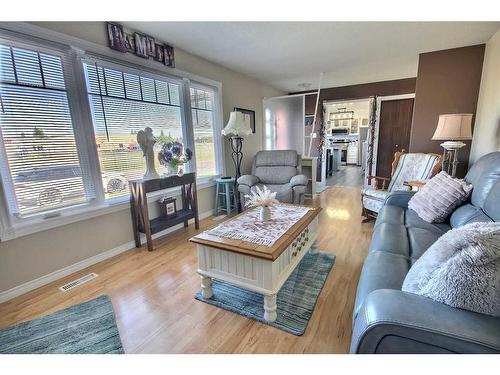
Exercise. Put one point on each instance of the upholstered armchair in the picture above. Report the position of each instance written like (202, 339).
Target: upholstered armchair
(405, 167)
(280, 171)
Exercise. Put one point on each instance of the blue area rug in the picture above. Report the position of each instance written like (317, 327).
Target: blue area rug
(296, 299)
(87, 328)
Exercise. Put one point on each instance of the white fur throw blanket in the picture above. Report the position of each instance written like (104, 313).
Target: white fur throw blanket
(461, 269)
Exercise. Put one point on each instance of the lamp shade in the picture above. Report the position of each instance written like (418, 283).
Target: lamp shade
(237, 125)
(453, 127)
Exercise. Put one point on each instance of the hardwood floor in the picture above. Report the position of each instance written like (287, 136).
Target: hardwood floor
(347, 175)
(152, 293)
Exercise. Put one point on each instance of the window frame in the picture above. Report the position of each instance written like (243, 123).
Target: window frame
(73, 53)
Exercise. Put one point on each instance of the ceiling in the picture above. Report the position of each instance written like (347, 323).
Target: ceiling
(287, 54)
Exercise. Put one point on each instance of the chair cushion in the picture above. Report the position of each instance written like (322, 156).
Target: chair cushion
(390, 238)
(284, 193)
(276, 158)
(373, 199)
(413, 166)
(275, 175)
(381, 270)
(437, 199)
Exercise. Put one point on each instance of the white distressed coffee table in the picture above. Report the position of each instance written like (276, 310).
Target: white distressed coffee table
(261, 269)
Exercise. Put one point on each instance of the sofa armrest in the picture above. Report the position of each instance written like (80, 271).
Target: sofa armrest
(248, 180)
(298, 180)
(392, 321)
(399, 198)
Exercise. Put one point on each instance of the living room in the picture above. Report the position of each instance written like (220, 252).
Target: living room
(165, 189)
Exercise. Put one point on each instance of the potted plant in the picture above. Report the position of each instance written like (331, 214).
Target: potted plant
(263, 199)
(173, 156)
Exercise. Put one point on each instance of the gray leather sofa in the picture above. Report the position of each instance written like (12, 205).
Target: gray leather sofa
(280, 171)
(387, 320)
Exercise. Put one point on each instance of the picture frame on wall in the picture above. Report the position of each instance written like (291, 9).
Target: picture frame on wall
(248, 115)
(309, 119)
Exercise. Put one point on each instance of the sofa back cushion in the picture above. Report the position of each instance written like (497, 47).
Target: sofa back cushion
(276, 166)
(467, 214)
(484, 175)
(437, 199)
(461, 269)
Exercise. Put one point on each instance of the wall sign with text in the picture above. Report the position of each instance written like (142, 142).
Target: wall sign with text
(139, 44)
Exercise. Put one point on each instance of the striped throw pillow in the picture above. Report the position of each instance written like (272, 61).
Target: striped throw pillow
(437, 199)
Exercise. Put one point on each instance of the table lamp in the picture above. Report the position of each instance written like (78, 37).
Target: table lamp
(236, 128)
(453, 128)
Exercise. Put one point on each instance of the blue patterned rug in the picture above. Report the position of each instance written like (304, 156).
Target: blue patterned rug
(87, 328)
(296, 299)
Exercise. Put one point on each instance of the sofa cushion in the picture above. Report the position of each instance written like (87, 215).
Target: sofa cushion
(420, 240)
(284, 193)
(390, 238)
(412, 220)
(275, 175)
(381, 270)
(373, 199)
(467, 214)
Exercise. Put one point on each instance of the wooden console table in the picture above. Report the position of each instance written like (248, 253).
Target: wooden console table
(139, 205)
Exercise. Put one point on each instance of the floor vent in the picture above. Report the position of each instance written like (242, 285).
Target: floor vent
(77, 282)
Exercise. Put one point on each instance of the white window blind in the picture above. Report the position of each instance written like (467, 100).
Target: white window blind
(202, 107)
(123, 103)
(39, 161)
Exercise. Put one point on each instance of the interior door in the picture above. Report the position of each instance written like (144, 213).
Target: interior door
(394, 132)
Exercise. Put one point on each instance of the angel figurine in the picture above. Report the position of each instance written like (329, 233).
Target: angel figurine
(147, 140)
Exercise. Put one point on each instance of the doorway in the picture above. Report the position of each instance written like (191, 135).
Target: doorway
(345, 144)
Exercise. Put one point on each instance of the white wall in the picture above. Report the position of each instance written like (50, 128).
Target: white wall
(487, 125)
(30, 257)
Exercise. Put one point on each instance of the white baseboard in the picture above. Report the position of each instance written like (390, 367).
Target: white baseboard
(63, 272)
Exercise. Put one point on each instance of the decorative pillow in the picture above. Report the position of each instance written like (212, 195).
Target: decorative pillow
(436, 200)
(461, 269)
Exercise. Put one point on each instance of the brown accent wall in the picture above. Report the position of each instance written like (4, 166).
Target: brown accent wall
(447, 82)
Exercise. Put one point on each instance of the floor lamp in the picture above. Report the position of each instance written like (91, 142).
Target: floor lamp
(453, 128)
(236, 128)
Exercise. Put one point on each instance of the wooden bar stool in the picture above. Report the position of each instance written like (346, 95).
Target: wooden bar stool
(226, 198)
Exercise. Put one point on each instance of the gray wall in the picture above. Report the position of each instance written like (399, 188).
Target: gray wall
(30, 257)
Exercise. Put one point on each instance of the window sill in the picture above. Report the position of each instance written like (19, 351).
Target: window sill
(39, 224)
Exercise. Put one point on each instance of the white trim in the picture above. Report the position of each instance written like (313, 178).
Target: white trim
(63, 272)
(86, 212)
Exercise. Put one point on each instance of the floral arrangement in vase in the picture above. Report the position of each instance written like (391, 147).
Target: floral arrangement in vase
(173, 156)
(263, 199)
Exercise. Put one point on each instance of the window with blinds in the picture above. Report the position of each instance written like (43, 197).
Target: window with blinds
(123, 103)
(39, 161)
(202, 107)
